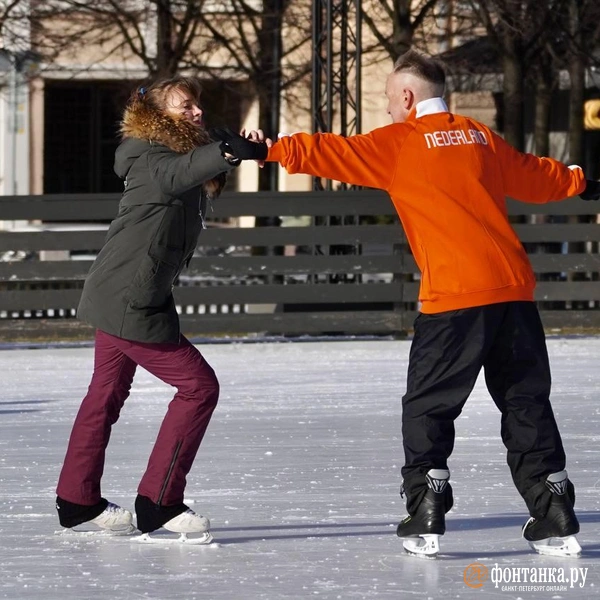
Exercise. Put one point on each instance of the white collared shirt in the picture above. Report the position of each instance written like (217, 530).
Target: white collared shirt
(431, 106)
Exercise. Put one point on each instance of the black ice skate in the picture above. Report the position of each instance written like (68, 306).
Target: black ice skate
(554, 535)
(422, 530)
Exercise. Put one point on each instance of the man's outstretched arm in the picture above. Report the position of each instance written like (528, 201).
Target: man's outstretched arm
(537, 180)
(367, 160)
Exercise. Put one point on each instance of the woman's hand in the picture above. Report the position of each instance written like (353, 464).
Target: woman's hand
(239, 146)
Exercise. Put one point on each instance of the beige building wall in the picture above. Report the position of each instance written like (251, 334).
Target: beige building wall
(478, 105)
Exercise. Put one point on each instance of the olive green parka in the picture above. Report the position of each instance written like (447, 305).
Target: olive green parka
(170, 169)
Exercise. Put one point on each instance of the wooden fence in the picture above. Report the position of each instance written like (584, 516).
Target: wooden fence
(342, 266)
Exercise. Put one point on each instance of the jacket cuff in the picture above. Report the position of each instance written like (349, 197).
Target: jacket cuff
(276, 153)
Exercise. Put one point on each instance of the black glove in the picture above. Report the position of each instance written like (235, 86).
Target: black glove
(237, 145)
(592, 190)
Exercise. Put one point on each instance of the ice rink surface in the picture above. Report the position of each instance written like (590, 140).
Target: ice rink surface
(299, 474)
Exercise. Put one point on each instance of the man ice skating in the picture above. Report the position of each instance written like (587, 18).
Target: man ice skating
(448, 177)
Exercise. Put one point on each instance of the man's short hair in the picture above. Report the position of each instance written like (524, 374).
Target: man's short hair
(422, 66)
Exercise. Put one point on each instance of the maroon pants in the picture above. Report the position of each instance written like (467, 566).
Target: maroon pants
(115, 361)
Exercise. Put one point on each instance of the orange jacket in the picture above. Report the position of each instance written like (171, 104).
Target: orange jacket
(448, 177)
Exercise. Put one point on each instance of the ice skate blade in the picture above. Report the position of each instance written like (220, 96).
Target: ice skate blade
(203, 539)
(423, 546)
(567, 547)
(88, 530)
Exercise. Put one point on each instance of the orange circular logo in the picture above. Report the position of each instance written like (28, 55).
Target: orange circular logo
(475, 575)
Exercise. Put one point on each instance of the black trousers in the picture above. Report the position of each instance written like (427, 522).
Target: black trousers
(447, 354)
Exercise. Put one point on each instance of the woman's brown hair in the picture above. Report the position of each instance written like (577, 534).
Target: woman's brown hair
(156, 92)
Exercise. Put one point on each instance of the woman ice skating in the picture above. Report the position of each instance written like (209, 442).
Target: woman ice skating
(171, 170)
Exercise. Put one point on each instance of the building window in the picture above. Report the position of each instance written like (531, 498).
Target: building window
(81, 121)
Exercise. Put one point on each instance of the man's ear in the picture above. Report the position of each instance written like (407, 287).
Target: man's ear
(408, 98)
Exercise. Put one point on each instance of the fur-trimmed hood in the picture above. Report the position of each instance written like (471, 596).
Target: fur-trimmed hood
(143, 122)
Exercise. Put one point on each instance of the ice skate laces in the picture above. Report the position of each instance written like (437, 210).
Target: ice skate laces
(114, 518)
(188, 522)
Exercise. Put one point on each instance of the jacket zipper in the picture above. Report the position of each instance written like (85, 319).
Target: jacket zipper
(169, 472)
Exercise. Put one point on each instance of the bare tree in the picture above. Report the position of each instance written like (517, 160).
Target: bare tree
(265, 47)
(543, 73)
(395, 23)
(509, 25)
(534, 41)
(565, 42)
(582, 19)
(158, 33)
(166, 36)
(11, 11)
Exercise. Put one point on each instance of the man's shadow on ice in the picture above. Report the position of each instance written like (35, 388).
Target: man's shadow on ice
(303, 531)
(375, 528)
(495, 521)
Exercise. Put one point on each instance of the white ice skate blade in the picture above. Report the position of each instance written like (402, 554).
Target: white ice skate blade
(91, 530)
(424, 546)
(558, 546)
(204, 539)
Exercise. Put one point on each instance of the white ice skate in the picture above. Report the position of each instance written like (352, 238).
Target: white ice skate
(113, 520)
(424, 546)
(187, 522)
